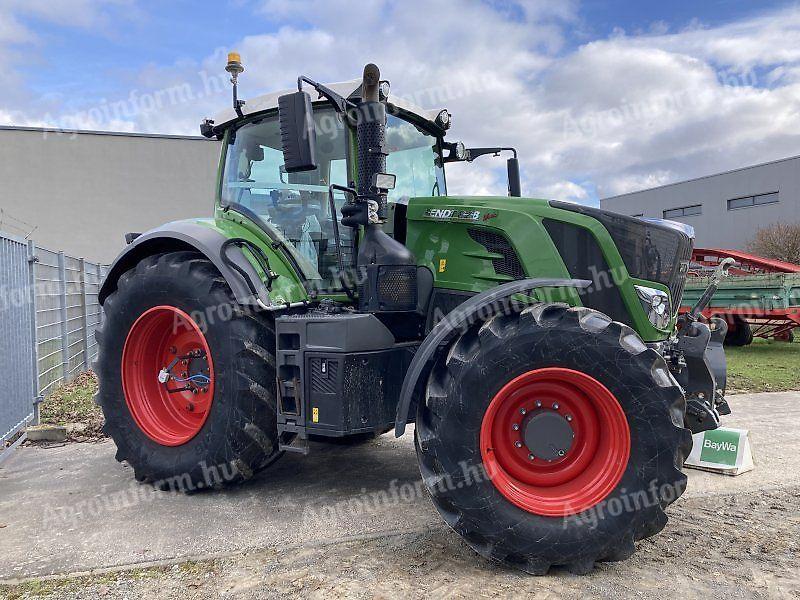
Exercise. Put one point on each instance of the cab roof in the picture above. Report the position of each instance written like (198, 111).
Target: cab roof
(348, 89)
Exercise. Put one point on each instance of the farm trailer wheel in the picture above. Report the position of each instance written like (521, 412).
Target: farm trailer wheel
(552, 437)
(214, 422)
(740, 333)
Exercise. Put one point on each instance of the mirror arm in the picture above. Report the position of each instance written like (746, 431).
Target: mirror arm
(339, 103)
(473, 153)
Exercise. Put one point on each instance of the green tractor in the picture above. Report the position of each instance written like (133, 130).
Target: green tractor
(339, 292)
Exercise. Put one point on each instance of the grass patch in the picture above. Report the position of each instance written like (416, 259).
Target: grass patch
(101, 584)
(73, 403)
(189, 574)
(764, 366)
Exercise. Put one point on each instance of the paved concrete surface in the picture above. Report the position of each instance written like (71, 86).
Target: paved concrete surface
(73, 508)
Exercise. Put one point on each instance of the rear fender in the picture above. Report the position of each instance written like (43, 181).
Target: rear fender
(477, 308)
(190, 235)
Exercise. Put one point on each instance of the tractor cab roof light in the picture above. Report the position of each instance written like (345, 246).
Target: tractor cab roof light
(235, 68)
(443, 119)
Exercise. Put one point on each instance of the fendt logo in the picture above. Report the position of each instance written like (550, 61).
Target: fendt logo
(451, 213)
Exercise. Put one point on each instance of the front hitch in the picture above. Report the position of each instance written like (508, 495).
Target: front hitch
(703, 368)
(720, 273)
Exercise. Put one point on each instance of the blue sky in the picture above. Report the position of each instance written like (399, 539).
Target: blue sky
(600, 97)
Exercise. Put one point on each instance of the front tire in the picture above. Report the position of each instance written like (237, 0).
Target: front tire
(552, 437)
(214, 423)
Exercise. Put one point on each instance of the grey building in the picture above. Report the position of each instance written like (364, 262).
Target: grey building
(725, 209)
(80, 192)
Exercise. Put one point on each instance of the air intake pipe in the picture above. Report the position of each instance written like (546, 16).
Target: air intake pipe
(386, 269)
(371, 133)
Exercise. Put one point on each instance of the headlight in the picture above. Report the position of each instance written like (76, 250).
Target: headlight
(443, 119)
(656, 304)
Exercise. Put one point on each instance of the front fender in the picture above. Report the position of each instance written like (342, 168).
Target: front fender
(477, 308)
(189, 235)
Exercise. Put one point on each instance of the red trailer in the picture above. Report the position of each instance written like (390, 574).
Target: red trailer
(760, 299)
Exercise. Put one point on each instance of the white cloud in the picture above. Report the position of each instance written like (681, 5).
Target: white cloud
(622, 113)
(769, 39)
(564, 190)
(606, 117)
(642, 111)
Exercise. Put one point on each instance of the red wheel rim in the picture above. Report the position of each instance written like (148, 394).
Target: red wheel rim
(160, 336)
(588, 470)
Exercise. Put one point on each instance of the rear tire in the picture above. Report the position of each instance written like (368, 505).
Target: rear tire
(238, 435)
(544, 528)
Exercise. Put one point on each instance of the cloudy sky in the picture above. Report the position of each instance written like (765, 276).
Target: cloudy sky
(600, 97)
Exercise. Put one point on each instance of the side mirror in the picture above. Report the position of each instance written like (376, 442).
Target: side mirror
(514, 185)
(298, 134)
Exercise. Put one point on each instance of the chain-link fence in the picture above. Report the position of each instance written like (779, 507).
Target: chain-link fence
(49, 315)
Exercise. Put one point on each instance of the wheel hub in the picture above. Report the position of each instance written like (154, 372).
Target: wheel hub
(555, 441)
(168, 375)
(547, 435)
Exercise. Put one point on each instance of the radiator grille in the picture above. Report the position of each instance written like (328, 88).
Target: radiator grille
(497, 243)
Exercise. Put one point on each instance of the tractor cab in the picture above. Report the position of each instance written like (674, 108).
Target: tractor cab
(296, 206)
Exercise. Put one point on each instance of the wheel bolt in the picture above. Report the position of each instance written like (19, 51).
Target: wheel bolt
(190, 407)
(531, 456)
(522, 411)
(555, 406)
(518, 444)
(515, 427)
(561, 453)
(568, 417)
(538, 403)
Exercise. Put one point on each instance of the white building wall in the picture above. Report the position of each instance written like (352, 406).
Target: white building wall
(81, 192)
(717, 226)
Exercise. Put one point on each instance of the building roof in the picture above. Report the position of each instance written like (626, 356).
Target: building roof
(94, 132)
(343, 88)
(728, 172)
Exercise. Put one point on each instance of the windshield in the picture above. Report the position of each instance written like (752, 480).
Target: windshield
(295, 205)
(414, 158)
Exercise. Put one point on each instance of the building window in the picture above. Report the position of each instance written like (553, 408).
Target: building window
(756, 200)
(684, 211)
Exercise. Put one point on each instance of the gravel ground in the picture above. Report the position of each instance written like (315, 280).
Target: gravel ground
(715, 546)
